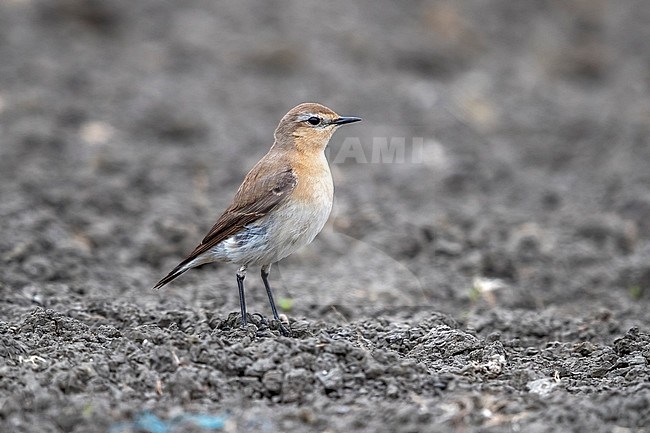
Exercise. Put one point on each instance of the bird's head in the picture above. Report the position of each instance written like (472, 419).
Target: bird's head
(309, 126)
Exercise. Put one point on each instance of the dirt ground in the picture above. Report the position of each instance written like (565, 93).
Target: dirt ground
(495, 279)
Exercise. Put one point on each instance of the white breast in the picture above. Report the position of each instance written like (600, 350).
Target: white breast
(297, 222)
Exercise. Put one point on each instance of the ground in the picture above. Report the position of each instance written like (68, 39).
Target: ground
(494, 278)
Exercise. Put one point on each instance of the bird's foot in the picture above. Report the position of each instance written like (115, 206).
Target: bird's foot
(284, 330)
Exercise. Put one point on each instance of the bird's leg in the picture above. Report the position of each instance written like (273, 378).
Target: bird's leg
(266, 269)
(241, 274)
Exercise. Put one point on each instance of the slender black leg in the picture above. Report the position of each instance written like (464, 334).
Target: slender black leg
(265, 278)
(241, 274)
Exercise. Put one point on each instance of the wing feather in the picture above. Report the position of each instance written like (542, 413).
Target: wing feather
(249, 205)
(259, 194)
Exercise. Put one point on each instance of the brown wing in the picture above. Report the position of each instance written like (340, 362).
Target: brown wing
(256, 197)
(262, 190)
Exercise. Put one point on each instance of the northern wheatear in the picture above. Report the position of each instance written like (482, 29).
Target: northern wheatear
(280, 207)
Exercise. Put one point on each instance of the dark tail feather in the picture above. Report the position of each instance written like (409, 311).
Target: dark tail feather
(175, 273)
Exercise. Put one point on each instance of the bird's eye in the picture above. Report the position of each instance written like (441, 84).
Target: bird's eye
(314, 120)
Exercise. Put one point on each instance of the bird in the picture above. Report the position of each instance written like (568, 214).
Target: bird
(282, 204)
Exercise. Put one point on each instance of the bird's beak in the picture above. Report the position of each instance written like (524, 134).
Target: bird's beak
(344, 120)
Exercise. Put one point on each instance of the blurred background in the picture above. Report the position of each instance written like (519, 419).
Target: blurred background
(126, 127)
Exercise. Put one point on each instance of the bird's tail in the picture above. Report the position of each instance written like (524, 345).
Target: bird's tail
(175, 273)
